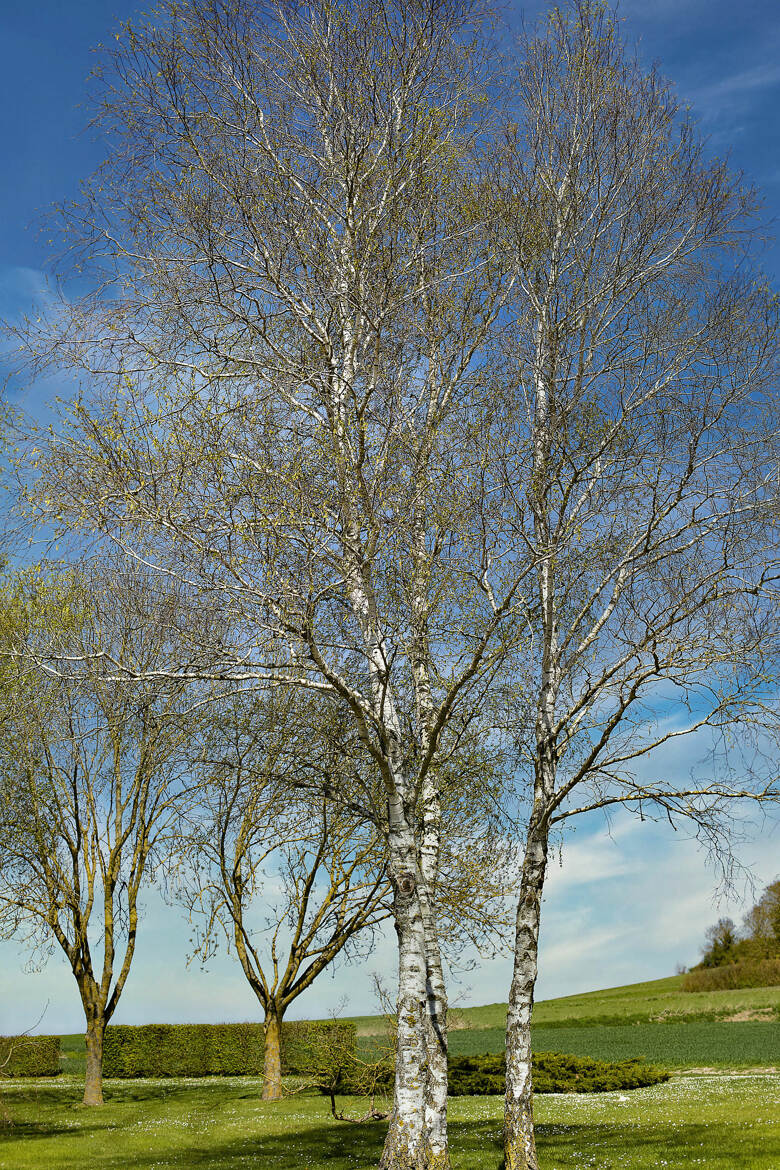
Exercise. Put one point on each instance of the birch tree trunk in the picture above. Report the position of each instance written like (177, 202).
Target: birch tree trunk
(272, 1055)
(436, 1140)
(93, 1081)
(519, 1141)
(405, 1143)
(437, 1153)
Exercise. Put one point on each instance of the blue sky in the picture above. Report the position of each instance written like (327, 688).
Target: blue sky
(622, 905)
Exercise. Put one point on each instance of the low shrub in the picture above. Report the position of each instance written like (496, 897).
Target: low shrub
(29, 1056)
(553, 1072)
(203, 1050)
(749, 973)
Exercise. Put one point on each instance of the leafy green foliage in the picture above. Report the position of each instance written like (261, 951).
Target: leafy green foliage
(321, 1050)
(29, 1056)
(183, 1050)
(553, 1072)
(759, 939)
(721, 940)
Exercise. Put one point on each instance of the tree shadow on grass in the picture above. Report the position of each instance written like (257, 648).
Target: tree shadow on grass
(476, 1145)
(717, 1147)
(67, 1095)
(29, 1130)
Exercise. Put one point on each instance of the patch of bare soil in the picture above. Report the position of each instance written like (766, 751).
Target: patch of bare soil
(747, 1014)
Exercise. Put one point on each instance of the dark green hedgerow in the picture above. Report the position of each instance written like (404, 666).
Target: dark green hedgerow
(29, 1056)
(553, 1072)
(201, 1050)
(730, 976)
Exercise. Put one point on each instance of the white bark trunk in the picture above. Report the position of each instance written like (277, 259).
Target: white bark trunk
(519, 1140)
(436, 1142)
(405, 1143)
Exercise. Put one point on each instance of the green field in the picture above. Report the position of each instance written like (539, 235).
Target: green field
(727, 1122)
(723, 1121)
(655, 1020)
(677, 1046)
(658, 1001)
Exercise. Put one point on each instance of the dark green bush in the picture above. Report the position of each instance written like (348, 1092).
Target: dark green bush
(202, 1050)
(750, 973)
(30, 1056)
(553, 1072)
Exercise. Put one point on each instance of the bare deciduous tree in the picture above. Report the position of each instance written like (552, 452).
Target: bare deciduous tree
(261, 843)
(91, 769)
(295, 417)
(643, 359)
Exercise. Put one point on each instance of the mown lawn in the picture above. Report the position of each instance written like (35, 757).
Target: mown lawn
(717, 1122)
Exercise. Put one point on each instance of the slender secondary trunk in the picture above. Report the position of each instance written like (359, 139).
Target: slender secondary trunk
(436, 1141)
(272, 1059)
(93, 1081)
(519, 1140)
(405, 1143)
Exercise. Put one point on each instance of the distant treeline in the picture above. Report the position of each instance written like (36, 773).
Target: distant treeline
(746, 957)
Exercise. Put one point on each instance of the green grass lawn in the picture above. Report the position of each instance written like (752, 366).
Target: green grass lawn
(726, 1122)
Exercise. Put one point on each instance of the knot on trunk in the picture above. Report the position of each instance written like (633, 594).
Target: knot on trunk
(405, 883)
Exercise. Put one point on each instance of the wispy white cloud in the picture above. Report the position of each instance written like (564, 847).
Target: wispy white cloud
(713, 97)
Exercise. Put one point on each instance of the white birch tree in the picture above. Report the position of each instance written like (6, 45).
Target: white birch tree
(643, 356)
(303, 266)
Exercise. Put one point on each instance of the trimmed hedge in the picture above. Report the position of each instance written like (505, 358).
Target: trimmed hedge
(30, 1056)
(310, 1045)
(750, 973)
(553, 1072)
(204, 1050)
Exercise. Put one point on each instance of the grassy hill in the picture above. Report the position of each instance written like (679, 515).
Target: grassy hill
(658, 1001)
(656, 1020)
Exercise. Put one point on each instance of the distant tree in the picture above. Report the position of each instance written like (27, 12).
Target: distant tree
(91, 770)
(762, 923)
(289, 878)
(721, 939)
